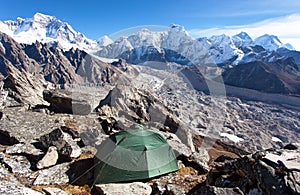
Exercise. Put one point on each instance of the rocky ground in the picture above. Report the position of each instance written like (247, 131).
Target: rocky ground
(224, 145)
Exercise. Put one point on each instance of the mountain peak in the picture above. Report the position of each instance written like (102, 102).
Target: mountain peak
(46, 29)
(269, 42)
(42, 17)
(243, 35)
(177, 27)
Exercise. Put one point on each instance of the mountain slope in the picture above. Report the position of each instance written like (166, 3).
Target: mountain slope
(281, 77)
(27, 70)
(46, 29)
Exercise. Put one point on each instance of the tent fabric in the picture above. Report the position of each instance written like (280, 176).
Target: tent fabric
(133, 155)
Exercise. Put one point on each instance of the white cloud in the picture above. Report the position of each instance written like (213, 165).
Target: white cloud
(286, 28)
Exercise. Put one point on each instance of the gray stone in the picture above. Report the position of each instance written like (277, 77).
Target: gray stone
(136, 188)
(18, 164)
(24, 148)
(63, 102)
(177, 145)
(22, 126)
(212, 190)
(201, 158)
(53, 175)
(54, 191)
(67, 148)
(9, 188)
(49, 159)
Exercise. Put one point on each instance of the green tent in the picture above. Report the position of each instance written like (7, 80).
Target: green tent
(133, 155)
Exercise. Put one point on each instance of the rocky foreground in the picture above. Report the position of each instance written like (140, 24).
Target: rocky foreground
(43, 151)
(48, 136)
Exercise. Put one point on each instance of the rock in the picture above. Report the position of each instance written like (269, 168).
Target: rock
(136, 188)
(290, 158)
(92, 137)
(5, 174)
(121, 64)
(8, 187)
(177, 145)
(293, 181)
(198, 159)
(201, 158)
(223, 158)
(167, 189)
(132, 105)
(53, 175)
(212, 190)
(18, 164)
(6, 138)
(63, 102)
(290, 147)
(49, 159)
(3, 96)
(54, 191)
(67, 148)
(274, 171)
(27, 149)
(22, 126)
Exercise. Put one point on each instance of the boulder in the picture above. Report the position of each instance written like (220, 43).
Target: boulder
(198, 159)
(132, 105)
(212, 190)
(136, 188)
(268, 172)
(17, 164)
(49, 159)
(27, 149)
(53, 175)
(23, 126)
(8, 187)
(67, 148)
(64, 102)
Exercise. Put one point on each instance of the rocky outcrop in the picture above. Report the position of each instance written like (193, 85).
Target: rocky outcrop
(28, 70)
(280, 77)
(64, 102)
(54, 175)
(66, 147)
(136, 106)
(261, 172)
(135, 188)
(212, 190)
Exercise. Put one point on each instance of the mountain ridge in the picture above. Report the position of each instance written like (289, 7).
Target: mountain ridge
(223, 49)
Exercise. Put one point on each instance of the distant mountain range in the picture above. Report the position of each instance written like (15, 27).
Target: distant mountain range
(54, 49)
(173, 45)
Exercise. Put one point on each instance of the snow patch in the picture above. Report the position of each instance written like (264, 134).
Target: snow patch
(286, 158)
(276, 139)
(2, 47)
(232, 137)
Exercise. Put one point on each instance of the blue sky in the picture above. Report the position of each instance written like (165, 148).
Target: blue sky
(96, 18)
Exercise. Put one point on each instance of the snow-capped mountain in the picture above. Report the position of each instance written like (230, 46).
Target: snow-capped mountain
(222, 49)
(104, 41)
(173, 45)
(242, 40)
(176, 45)
(271, 43)
(46, 29)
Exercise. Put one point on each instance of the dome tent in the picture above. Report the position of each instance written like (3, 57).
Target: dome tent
(133, 155)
